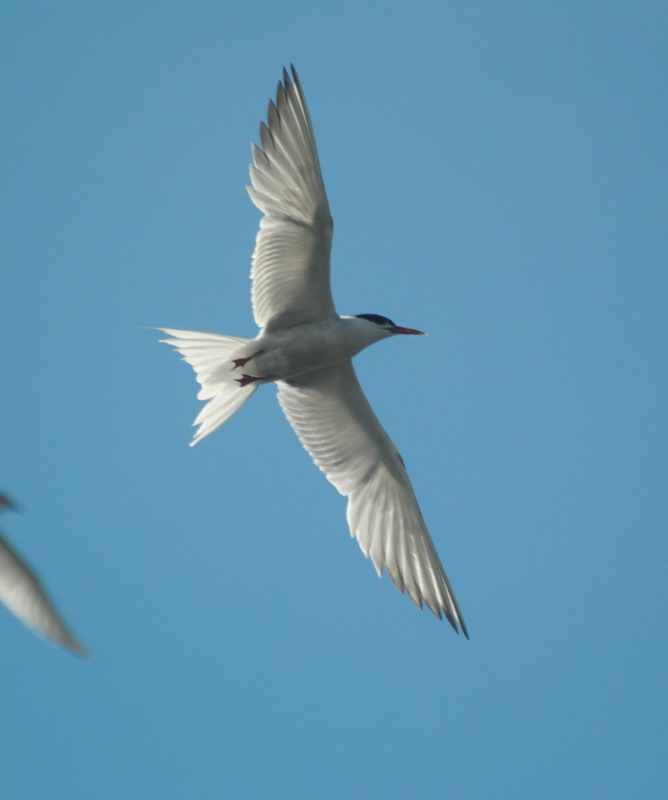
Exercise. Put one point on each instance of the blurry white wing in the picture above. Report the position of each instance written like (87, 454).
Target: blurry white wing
(290, 269)
(337, 426)
(23, 594)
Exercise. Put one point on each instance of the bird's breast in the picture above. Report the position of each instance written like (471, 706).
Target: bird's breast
(303, 348)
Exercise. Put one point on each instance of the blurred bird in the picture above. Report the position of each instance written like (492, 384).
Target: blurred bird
(306, 348)
(23, 594)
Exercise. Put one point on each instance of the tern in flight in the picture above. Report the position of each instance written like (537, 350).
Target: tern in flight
(306, 348)
(23, 594)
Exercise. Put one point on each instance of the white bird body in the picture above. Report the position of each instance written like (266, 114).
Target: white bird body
(309, 346)
(306, 348)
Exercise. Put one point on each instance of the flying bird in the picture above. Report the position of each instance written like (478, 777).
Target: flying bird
(23, 594)
(306, 348)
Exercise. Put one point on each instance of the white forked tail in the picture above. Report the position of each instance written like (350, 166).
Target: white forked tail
(211, 356)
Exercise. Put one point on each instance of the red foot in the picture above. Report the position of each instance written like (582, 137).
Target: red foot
(241, 362)
(246, 379)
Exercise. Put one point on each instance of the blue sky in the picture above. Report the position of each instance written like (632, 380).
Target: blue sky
(497, 176)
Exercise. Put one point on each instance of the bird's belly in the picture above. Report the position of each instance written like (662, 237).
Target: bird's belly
(299, 350)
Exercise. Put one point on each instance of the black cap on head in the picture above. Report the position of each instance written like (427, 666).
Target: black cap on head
(378, 319)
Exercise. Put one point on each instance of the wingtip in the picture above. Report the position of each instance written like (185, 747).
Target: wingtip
(453, 617)
(75, 647)
(457, 623)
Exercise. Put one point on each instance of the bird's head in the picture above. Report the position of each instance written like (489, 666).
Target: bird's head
(385, 326)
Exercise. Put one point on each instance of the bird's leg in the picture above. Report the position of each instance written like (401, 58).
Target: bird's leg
(241, 362)
(244, 380)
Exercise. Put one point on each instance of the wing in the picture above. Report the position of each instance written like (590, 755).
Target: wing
(337, 426)
(23, 594)
(290, 271)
